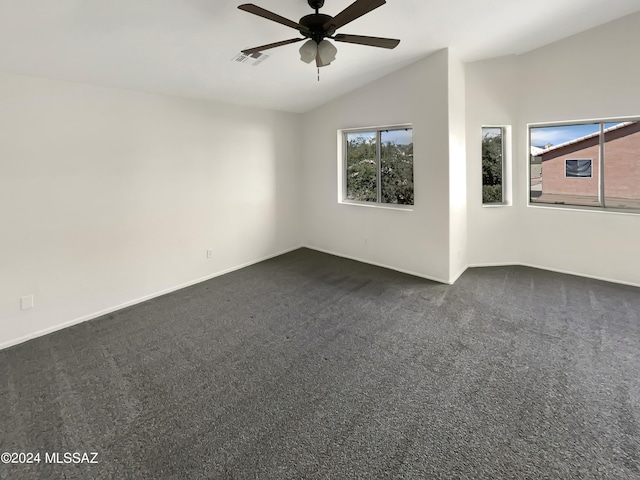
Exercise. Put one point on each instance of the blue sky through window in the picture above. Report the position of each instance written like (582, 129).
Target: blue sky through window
(542, 136)
(399, 137)
(491, 132)
(368, 137)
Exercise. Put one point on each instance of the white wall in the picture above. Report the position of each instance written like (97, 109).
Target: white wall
(457, 169)
(416, 241)
(109, 196)
(589, 76)
(491, 94)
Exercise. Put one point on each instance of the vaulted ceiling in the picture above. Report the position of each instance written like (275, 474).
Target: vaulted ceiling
(187, 47)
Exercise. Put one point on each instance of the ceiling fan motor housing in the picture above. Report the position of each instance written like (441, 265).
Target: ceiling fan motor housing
(314, 23)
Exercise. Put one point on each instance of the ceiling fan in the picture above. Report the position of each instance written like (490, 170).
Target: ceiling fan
(317, 27)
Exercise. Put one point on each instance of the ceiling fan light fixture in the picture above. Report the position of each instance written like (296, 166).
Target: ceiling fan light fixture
(326, 53)
(316, 27)
(308, 51)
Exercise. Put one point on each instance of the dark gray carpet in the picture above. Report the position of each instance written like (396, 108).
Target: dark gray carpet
(312, 366)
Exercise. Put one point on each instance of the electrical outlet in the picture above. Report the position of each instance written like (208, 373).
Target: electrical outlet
(209, 253)
(26, 302)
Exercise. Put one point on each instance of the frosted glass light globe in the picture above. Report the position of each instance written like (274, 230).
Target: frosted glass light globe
(326, 53)
(308, 51)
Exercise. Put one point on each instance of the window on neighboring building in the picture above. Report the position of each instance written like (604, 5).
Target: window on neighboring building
(493, 165)
(594, 164)
(378, 165)
(577, 168)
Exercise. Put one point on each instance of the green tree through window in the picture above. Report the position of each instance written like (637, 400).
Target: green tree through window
(396, 163)
(492, 167)
(379, 166)
(362, 176)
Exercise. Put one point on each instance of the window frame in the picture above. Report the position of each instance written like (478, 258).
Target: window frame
(602, 208)
(504, 132)
(343, 167)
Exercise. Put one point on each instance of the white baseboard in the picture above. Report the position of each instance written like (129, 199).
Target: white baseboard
(493, 264)
(459, 274)
(106, 311)
(130, 303)
(594, 277)
(408, 272)
(556, 270)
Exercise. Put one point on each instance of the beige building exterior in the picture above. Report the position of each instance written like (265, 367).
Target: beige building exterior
(573, 168)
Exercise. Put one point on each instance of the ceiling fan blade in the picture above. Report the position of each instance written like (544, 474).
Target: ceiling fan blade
(261, 12)
(249, 51)
(370, 41)
(353, 11)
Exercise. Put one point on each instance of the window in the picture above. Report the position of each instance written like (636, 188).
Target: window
(493, 165)
(595, 164)
(577, 168)
(378, 165)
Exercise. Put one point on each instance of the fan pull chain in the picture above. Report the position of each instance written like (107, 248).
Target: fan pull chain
(318, 73)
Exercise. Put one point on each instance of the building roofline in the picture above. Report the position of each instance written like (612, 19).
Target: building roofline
(586, 137)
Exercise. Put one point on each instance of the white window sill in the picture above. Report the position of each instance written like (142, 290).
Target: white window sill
(495, 205)
(382, 206)
(582, 208)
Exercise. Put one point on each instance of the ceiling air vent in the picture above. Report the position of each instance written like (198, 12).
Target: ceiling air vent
(253, 59)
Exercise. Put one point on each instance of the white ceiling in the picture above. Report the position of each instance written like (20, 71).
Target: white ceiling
(186, 47)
